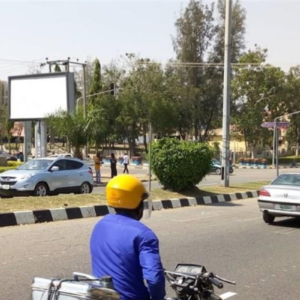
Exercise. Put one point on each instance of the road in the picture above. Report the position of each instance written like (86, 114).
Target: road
(228, 238)
(239, 176)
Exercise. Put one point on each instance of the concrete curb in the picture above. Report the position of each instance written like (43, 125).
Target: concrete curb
(71, 213)
(267, 168)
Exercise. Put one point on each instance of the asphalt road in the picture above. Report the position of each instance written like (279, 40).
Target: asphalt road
(239, 176)
(230, 239)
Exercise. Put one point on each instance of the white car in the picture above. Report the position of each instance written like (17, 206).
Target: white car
(47, 176)
(281, 198)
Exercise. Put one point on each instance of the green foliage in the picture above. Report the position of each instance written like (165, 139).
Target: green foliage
(180, 165)
(57, 68)
(254, 91)
(14, 164)
(3, 169)
(200, 39)
(73, 126)
(96, 84)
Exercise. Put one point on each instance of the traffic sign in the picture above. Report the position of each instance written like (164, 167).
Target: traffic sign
(278, 124)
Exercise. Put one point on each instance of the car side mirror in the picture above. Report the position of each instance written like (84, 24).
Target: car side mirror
(54, 168)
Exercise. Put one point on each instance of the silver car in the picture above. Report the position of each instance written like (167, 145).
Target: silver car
(280, 198)
(47, 176)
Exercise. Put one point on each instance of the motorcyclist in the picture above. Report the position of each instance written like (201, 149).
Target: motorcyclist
(124, 248)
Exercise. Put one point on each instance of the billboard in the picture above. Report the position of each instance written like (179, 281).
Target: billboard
(34, 97)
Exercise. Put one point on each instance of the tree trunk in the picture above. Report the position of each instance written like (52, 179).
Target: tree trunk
(131, 142)
(196, 130)
(145, 143)
(52, 135)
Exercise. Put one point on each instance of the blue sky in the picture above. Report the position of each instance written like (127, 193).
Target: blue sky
(33, 30)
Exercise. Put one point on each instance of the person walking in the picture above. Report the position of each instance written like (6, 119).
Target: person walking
(126, 162)
(113, 165)
(97, 163)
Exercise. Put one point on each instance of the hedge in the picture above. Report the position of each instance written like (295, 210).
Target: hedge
(3, 169)
(180, 165)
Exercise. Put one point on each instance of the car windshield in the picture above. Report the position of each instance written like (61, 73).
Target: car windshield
(36, 164)
(287, 179)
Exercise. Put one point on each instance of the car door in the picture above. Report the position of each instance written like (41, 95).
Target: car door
(59, 178)
(74, 169)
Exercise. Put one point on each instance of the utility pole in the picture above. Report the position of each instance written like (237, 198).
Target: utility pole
(226, 98)
(84, 90)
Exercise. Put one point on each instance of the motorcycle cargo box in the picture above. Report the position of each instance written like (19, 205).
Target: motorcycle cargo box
(47, 289)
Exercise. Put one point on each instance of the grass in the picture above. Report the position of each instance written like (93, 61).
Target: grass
(36, 203)
(208, 190)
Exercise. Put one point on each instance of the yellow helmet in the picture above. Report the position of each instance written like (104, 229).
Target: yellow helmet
(125, 191)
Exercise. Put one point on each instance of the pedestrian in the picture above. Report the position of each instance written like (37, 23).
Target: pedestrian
(126, 162)
(97, 163)
(113, 165)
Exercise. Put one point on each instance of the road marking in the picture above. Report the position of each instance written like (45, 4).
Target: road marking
(227, 295)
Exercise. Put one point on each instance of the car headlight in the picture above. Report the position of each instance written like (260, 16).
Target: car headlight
(26, 176)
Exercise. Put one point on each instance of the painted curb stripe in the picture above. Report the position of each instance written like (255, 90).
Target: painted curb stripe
(71, 213)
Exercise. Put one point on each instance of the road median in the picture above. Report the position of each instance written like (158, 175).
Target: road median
(31, 210)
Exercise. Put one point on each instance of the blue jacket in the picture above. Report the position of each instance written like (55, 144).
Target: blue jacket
(128, 251)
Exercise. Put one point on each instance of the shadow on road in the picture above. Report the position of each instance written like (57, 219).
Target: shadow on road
(288, 223)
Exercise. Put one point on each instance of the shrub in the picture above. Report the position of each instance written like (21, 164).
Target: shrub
(14, 164)
(180, 165)
(3, 169)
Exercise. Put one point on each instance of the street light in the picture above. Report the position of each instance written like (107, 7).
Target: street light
(275, 139)
(100, 93)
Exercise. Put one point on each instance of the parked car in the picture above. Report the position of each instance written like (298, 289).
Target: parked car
(47, 176)
(216, 167)
(280, 198)
(8, 156)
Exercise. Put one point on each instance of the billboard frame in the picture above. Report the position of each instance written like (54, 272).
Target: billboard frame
(70, 88)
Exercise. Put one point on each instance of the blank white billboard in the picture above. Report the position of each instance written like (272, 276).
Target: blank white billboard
(36, 96)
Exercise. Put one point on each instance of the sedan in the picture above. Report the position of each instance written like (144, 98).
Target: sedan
(281, 198)
(47, 176)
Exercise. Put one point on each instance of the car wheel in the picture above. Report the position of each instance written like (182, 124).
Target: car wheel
(269, 219)
(41, 190)
(218, 171)
(85, 188)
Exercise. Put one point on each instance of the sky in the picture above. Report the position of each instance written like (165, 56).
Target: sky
(33, 30)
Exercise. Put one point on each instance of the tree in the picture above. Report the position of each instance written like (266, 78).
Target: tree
(255, 91)
(96, 84)
(72, 126)
(292, 105)
(57, 68)
(200, 39)
(144, 99)
(238, 30)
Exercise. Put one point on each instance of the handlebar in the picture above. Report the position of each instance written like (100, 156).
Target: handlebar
(213, 279)
(216, 282)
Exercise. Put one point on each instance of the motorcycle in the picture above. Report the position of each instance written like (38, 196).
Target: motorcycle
(193, 282)
(190, 282)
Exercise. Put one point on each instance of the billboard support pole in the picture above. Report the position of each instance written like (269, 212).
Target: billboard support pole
(40, 139)
(27, 139)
